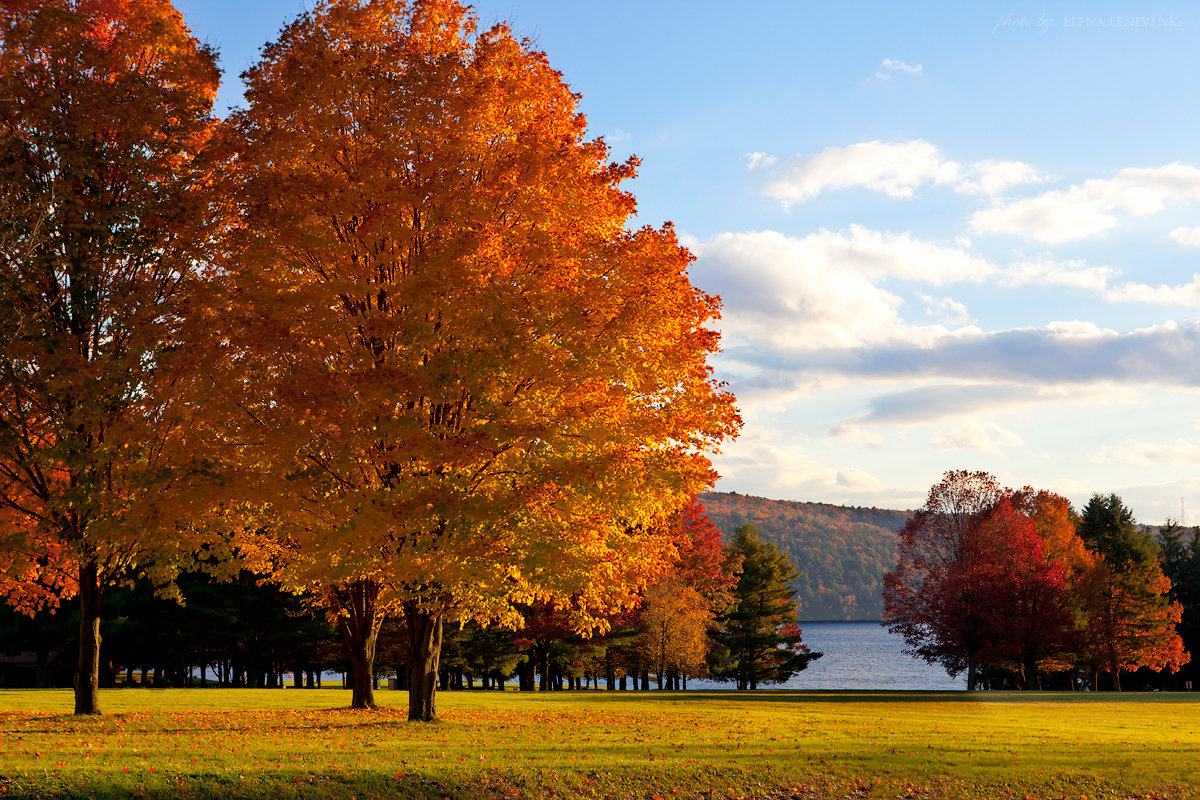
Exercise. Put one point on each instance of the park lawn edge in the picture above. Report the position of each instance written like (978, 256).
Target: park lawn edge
(271, 743)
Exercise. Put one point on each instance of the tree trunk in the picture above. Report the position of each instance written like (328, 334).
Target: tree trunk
(971, 674)
(1033, 680)
(87, 672)
(543, 663)
(526, 672)
(359, 619)
(424, 651)
(1115, 671)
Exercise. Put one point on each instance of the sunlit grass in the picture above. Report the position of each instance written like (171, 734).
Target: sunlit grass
(297, 743)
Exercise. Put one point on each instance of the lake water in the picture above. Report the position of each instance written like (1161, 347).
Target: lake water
(860, 655)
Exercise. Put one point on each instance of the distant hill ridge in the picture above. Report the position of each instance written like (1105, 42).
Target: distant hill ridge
(842, 552)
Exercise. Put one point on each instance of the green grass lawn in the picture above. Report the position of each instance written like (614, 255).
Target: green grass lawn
(300, 744)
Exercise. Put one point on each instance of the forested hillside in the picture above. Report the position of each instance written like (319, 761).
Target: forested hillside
(841, 552)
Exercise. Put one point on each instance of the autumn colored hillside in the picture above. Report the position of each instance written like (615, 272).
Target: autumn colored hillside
(841, 552)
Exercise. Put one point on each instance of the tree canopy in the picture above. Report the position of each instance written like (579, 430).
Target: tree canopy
(103, 216)
(462, 382)
(992, 577)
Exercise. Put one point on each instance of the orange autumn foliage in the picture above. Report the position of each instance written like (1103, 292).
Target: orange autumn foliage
(103, 108)
(459, 377)
(1131, 619)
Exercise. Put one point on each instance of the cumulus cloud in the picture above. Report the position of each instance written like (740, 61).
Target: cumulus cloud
(981, 437)
(759, 161)
(1182, 295)
(1078, 329)
(1091, 208)
(894, 168)
(945, 310)
(821, 291)
(1073, 274)
(1187, 236)
(992, 177)
(1187, 294)
(802, 311)
(1145, 453)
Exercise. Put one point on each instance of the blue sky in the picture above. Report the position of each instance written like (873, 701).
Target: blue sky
(946, 235)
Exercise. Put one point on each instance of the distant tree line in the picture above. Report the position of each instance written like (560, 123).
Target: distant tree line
(1016, 589)
(722, 612)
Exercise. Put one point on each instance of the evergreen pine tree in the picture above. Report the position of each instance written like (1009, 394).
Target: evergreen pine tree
(1179, 554)
(760, 632)
(1131, 620)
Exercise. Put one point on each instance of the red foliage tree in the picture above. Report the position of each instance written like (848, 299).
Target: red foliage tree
(1025, 593)
(931, 597)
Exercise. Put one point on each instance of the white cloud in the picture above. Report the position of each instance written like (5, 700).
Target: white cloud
(891, 65)
(1187, 294)
(992, 177)
(821, 292)
(1181, 451)
(940, 402)
(1187, 236)
(945, 310)
(765, 462)
(981, 437)
(857, 479)
(1078, 329)
(1090, 208)
(1059, 354)
(1047, 272)
(1058, 357)
(894, 168)
(759, 160)
(855, 433)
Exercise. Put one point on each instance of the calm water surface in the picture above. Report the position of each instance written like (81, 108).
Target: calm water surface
(861, 655)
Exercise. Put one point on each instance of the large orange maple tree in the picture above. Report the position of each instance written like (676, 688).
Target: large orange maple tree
(459, 380)
(103, 108)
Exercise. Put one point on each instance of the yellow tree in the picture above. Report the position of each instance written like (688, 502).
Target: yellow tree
(461, 381)
(676, 620)
(103, 108)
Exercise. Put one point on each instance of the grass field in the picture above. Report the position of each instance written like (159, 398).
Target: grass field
(300, 744)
